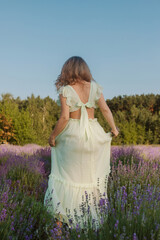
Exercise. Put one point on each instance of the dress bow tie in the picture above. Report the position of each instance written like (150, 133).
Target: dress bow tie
(84, 122)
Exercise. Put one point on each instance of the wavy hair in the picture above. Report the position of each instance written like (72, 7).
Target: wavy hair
(75, 69)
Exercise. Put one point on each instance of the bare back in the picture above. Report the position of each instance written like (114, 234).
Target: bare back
(83, 91)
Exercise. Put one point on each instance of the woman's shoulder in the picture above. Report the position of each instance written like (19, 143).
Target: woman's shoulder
(67, 92)
(64, 90)
(95, 84)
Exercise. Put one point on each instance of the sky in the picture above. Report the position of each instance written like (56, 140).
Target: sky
(119, 40)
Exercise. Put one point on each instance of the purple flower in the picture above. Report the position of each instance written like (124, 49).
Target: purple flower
(3, 214)
(116, 224)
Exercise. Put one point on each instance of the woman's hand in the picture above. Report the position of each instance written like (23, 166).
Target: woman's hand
(52, 141)
(115, 131)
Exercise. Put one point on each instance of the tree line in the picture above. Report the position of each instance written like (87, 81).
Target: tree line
(31, 120)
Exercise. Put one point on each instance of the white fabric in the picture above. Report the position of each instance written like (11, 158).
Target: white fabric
(81, 157)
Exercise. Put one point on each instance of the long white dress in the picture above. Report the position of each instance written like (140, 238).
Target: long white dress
(80, 158)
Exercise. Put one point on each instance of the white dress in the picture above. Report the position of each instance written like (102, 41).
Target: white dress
(80, 158)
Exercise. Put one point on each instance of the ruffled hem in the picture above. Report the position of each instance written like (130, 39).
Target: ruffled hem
(65, 93)
(62, 213)
(98, 94)
(80, 185)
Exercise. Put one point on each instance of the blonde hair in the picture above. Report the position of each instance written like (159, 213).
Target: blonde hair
(75, 69)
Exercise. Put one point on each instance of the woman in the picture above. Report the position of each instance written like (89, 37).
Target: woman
(80, 153)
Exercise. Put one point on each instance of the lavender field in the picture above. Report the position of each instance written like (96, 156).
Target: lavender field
(132, 210)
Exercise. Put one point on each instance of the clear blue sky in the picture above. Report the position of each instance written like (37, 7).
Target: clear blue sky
(119, 40)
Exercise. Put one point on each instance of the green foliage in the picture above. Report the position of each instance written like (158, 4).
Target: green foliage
(7, 133)
(29, 181)
(27, 212)
(22, 123)
(33, 119)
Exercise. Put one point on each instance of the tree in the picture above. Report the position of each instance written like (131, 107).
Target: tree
(7, 132)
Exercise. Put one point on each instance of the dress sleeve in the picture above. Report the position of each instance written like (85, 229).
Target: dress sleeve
(99, 90)
(65, 93)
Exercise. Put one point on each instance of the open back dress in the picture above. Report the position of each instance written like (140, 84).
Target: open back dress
(80, 162)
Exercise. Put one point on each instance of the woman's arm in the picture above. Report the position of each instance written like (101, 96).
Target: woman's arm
(107, 113)
(63, 120)
(60, 125)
